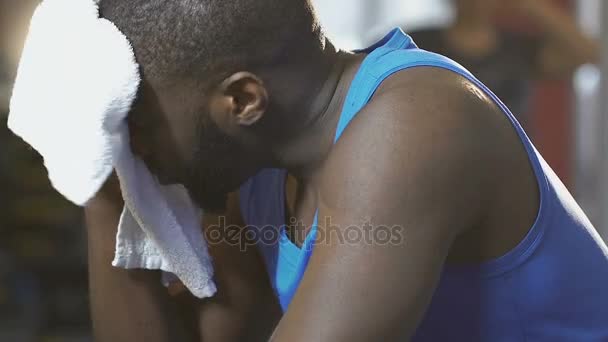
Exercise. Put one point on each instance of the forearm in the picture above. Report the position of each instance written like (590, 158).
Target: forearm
(134, 306)
(125, 305)
(561, 29)
(245, 307)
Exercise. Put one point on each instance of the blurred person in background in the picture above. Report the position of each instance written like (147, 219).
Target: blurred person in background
(43, 287)
(507, 61)
(14, 19)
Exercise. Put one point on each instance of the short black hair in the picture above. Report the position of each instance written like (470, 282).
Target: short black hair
(189, 38)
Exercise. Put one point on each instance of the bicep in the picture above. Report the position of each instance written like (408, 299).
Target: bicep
(376, 280)
(366, 292)
(126, 305)
(102, 215)
(413, 178)
(244, 307)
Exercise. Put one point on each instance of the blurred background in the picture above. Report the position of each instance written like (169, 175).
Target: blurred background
(43, 279)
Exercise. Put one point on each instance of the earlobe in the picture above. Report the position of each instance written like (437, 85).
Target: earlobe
(249, 97)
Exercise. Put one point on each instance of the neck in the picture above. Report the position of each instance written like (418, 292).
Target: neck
(308, 130)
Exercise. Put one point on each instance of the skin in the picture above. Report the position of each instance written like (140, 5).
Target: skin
(132, 305)
(132, 292)
(126, 304)
(429, 174)
(423, 162)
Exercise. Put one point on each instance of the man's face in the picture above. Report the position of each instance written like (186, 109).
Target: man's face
(172, 131)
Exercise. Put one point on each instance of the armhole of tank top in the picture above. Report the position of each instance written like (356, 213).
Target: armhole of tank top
(528, 244)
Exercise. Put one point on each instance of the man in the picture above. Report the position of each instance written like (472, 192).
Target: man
(506, 61)
(248, 97)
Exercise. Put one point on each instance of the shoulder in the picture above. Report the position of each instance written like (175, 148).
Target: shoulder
(429, 99)
(420, 141)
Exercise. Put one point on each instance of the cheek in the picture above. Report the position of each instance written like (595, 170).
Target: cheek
(141, 140)
(163, 154)
(180, 141)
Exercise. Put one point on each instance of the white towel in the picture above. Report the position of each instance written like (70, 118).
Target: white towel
(75, 85)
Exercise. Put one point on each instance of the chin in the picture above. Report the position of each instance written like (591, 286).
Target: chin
(209, 188)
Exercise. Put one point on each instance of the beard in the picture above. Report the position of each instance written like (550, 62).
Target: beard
(213, 173)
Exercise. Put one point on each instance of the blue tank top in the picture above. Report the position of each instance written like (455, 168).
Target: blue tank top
(552, 287)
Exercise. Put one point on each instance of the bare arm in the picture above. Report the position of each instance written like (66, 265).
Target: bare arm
(407, 162)
(245, 307)
(125, 305)
(134, 306)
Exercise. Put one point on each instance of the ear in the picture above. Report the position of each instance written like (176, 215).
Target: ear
(247, 97)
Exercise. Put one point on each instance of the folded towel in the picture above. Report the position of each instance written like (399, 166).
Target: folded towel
(76, 82)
